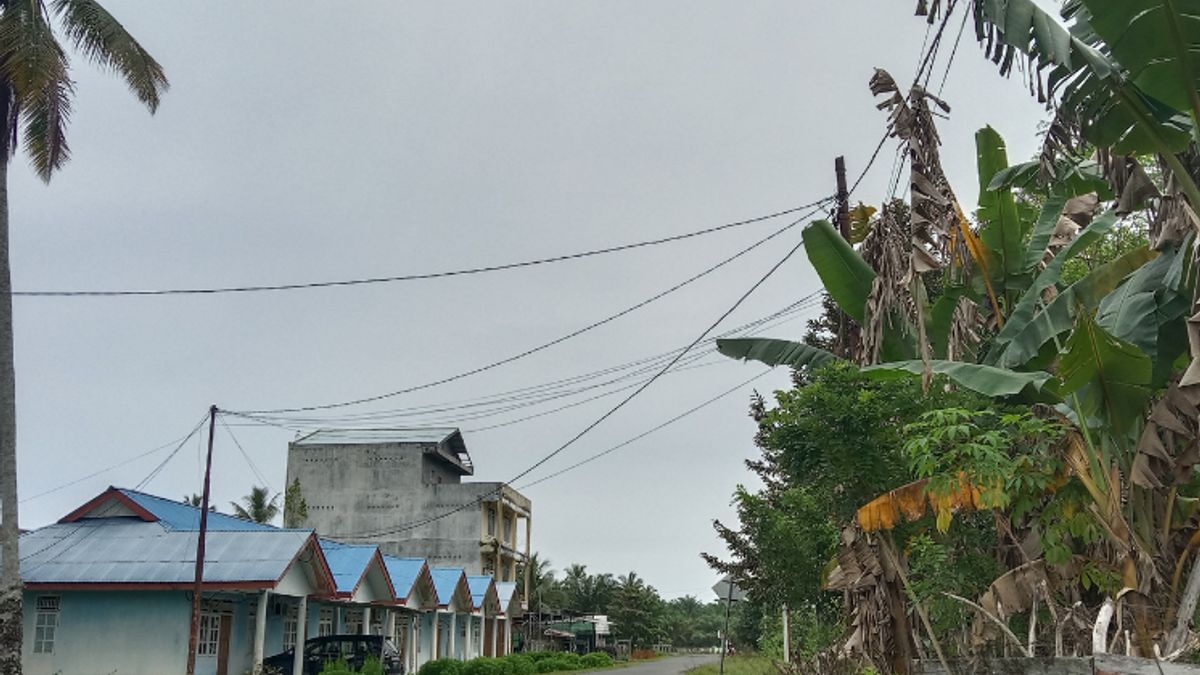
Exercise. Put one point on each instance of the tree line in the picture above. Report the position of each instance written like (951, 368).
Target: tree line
(637, 612)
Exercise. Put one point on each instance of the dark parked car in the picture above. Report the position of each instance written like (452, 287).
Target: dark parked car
(354, 648)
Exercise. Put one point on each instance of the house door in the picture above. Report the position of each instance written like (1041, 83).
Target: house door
(223, 645)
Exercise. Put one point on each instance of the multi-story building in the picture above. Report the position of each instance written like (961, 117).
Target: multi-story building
(403, 490)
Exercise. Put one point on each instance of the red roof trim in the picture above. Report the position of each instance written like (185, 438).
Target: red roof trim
(112, 493)
(155, 586)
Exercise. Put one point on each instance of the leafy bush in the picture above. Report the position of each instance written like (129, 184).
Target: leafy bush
(338, 667)
(541, 656)
(519, 664)
(596, 660)
(371, 666)
(485, 665)
(442, 667)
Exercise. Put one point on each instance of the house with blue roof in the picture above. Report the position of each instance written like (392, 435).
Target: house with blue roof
(452, 620)
(415, 592)
(485, 605)
(108, 588)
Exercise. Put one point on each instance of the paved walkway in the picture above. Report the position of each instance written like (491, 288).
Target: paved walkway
(671, 665)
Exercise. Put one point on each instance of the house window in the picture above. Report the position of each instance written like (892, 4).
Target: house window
(210, 633)
(354, 621)
(45, 624)
(291, 625)
(491, 522)
(325, 622)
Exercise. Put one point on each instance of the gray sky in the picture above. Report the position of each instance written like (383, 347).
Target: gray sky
(304, 142)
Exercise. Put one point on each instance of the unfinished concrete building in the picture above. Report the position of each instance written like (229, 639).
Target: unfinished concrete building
(403, 490)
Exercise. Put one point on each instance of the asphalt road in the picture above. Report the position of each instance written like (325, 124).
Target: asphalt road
(672, 665)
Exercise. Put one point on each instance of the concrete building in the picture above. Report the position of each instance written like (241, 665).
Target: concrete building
(403, 490)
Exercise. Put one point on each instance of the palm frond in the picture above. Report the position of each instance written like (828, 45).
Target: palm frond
(105, 41)
(35, 67)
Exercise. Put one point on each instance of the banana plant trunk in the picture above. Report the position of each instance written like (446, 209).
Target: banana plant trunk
(10, 574)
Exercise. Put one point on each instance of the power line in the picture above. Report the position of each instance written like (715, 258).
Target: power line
(118, 465)
(158, 469)
(546, 345)
(646, 433)
(412, 277)
(611, 411)
(246, 456)
(534, 395)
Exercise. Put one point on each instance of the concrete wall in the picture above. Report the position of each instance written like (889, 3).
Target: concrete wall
(352, 490)
(129, 632)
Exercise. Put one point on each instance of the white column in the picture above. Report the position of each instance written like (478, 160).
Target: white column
(452, 645)
(301, 636)
(260, 630)
(495, 629)
(434, 654)
(507, 634)
(413, 641)
(389, 623)
(366, 617)
(469, 651)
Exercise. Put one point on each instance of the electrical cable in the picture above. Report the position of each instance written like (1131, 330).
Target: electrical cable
(245, 455)
(546, 345)
(611, 411)
(412, 277)
(106, 469)
(646, 433)
(153, 473)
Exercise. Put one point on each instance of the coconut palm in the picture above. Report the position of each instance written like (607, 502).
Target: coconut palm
(258, 507)
(35, 104)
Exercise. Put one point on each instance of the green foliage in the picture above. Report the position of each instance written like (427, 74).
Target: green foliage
(442, 667)
(336, 667)
(371, 666)
(295, 508)
(596, 660)
(961, 561)
(560, 661)
(485, 665)
(845, 275)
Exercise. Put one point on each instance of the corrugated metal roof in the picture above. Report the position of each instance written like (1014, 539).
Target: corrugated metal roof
(348, 562)
(371, 436)
(127, 550)
(404, 573)
(185, 517)
(479, 586)
(445, 582)
(506, 590)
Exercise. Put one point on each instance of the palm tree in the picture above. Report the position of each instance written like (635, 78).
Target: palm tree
(35, 103)
(258, 507)
(196, 500)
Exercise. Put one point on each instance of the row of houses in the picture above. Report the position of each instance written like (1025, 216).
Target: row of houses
(109, 589)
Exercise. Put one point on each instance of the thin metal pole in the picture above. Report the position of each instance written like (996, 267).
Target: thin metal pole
(725, 635)
(198, 585)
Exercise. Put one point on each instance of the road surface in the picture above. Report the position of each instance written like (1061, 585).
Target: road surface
(671, 665)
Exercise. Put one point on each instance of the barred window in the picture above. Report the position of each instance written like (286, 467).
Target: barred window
(291, 626)
(45, 624)
(325, 622)
(210, 634)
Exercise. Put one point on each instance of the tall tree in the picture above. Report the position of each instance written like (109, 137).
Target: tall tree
(35, 104)
(543, 587)
(258, 507)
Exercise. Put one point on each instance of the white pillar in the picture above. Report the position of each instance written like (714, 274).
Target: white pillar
(389, 623)
(469, 652)
(366, 624)
(452, 645)
(507, 635)
(495, 629)
(301, 636)
(413, 643)
(434, 654)
(260, 630)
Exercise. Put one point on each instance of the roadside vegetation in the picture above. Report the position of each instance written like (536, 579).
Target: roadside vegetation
(526, 663)
(990, 445)
(739, 664)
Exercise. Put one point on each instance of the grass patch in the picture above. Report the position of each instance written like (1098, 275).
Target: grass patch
(740, 664)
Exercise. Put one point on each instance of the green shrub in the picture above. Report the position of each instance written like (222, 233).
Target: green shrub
(371, 666)
(596, 660)
(519, 664)
(485, 665)
(338, 667)
(442, 667)
(541, 656)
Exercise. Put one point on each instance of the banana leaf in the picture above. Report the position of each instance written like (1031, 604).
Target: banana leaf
(986, 380)
(1108, 376)
(1002, 233)
(775, 352)
(1132, 312)
(846, 276)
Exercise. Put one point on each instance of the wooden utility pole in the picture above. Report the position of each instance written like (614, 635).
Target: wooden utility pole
(843, 198)
(198, 585)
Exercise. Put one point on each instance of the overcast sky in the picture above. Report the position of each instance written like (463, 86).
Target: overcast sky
(305, 142)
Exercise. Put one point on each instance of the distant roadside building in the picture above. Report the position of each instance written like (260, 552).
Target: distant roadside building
(403, 490)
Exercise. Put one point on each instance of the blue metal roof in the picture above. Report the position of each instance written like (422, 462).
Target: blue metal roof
(185, 517)
(404, 573)
(129, 550)
(479, 586)
(507, 590)
(348, 562)
(445, 582)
